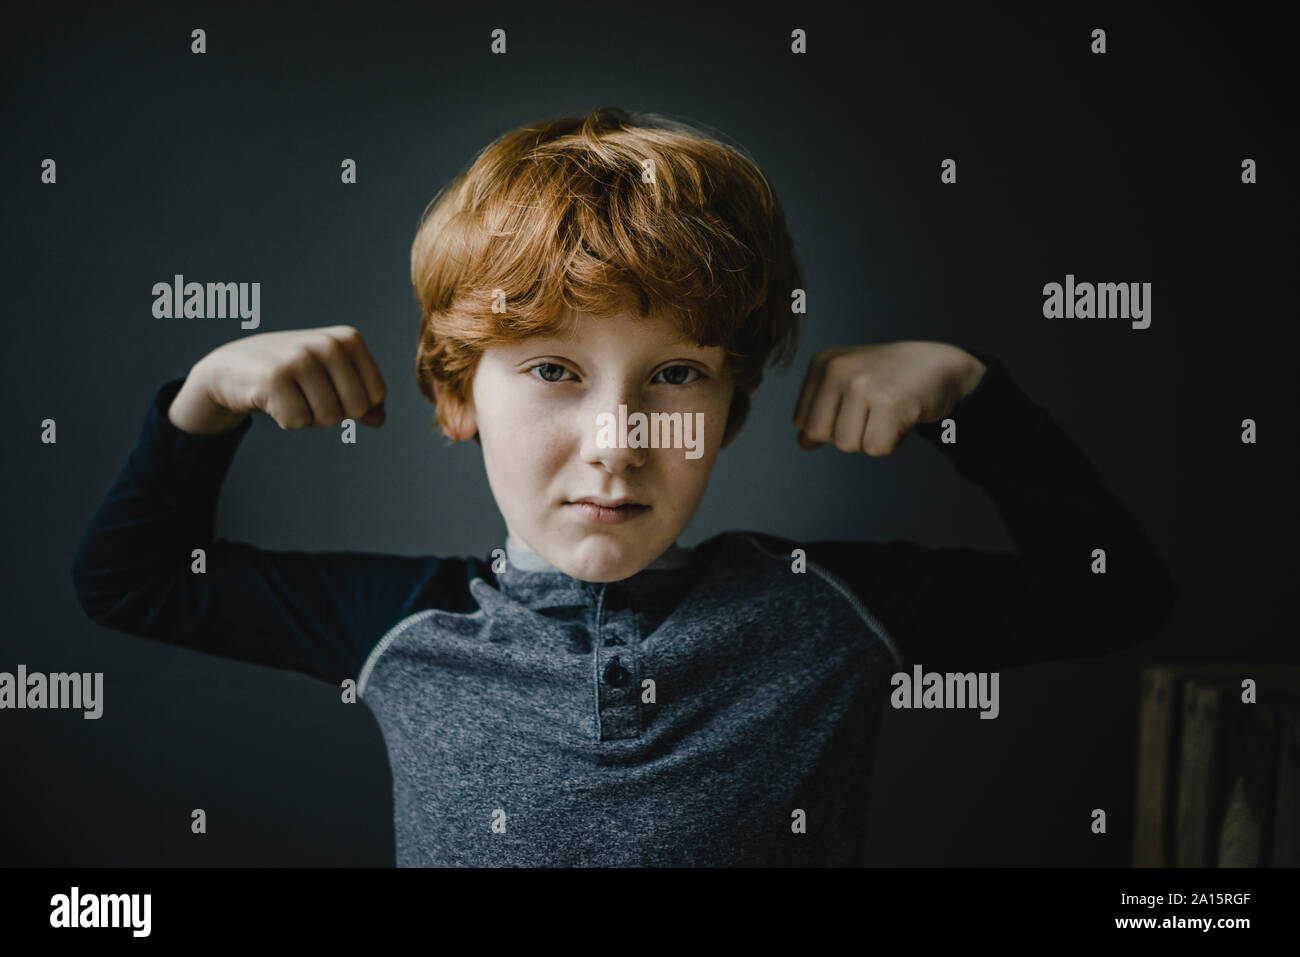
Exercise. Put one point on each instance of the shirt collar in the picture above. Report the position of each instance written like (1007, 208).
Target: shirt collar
(530, 580)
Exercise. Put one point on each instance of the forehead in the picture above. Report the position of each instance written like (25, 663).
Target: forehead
(624, 331)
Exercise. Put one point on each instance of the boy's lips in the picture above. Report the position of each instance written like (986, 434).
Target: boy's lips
(605, 502)
(607, 511)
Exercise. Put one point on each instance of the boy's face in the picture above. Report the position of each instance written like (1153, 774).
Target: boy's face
(537, 407)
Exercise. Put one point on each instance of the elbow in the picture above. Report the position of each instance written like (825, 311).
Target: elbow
(1141, 612)
(1114, 615)
(95, 606)
(81, 588)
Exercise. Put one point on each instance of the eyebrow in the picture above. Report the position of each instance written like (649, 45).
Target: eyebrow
(688, 349)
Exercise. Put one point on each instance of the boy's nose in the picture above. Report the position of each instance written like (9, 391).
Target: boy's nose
(606, 435)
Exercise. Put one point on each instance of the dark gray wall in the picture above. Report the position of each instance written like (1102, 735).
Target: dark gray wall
(225, 166)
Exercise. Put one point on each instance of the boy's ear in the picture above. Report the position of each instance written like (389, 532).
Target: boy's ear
(457, 416)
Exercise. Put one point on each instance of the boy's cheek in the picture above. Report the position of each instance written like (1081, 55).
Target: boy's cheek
(524, 466)
(519, 427)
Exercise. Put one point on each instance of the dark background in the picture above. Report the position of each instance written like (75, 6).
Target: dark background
(225, 167)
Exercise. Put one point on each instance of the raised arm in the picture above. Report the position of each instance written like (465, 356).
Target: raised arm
(319, 613)
(959, 608)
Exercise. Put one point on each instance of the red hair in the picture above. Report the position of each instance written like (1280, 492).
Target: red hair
(568, 214)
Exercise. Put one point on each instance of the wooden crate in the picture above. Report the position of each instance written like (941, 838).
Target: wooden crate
(1218, 779)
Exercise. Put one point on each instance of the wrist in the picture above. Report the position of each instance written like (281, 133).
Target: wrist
(193, 411)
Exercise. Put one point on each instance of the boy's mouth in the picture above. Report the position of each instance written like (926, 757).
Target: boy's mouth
(607, 511)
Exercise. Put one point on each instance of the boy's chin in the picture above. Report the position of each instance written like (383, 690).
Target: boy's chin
(603, 561)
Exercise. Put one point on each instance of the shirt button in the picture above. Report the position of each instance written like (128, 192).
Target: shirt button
(616, 674)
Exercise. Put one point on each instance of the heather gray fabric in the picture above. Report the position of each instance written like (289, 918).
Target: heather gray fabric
(514, 739)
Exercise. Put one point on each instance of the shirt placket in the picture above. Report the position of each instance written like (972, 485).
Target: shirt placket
(617, 672)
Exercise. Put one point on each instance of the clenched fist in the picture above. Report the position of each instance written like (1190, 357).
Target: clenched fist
(300, 378)
(867, 398)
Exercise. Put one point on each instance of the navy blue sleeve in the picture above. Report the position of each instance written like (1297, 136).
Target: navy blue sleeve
(319, 613)
(963, 609)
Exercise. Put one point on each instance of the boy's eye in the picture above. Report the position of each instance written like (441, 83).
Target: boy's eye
(675, 375)
(552, 372)
(676, 379)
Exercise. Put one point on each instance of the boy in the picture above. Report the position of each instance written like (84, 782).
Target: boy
(606, 696)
